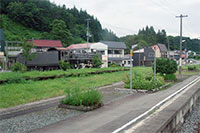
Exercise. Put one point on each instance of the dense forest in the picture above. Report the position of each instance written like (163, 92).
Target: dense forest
(148, 37)
(54, 22)
(41, 19)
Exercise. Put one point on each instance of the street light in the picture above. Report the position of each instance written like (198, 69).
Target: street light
(131, 70)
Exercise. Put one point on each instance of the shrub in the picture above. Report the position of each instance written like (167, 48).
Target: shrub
(64, 65)
(96, 61)
(192, 68)
(170, 77)
(165, 66)
(113, 65)
(18, 67)
(16, 79)
(78, 97)
(146, 82)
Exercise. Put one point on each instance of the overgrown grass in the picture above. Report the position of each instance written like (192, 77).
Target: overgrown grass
(78, 97)
(34, 74)
(144, 79)
(189, 73)
(29, 91)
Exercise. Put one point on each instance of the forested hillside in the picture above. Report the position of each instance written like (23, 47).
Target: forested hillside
(52, 21)
(148, 37)
(41, 19)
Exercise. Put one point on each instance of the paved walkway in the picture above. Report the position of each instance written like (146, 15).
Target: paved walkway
(113, 115)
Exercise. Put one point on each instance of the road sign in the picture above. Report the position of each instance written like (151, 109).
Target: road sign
(131, 52)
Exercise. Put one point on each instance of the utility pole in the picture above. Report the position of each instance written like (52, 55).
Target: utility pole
(88, 26)
(88, 34)
(168, 47)
(131, 69)
(180, 59)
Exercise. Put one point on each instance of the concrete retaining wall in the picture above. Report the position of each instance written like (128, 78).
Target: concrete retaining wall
(188, 101)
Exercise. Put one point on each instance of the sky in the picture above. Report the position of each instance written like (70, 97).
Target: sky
(126, 17)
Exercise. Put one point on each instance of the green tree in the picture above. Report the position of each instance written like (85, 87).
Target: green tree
(165, 66)
(59, 31)
(96, 61)
(26, 51)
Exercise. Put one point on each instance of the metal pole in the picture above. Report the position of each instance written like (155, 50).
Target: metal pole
(6, 55)
(155, 68)
(131, 70)
(139, 56)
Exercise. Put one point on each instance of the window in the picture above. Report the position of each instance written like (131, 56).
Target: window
(117, 52)
(129, 62)
(101, 52)
(109, 51)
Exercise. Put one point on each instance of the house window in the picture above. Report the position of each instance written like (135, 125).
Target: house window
(110, 52)
(129, 62)
(101, 52)
(117, 52)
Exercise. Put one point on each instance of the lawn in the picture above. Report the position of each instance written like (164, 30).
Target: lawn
(34, 74)
(29, 91)
(186, 72)
(12, 94)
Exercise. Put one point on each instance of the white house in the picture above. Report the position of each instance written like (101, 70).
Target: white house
(112, 52)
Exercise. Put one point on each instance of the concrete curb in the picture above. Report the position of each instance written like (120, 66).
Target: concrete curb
(38, 105)
(29, 107)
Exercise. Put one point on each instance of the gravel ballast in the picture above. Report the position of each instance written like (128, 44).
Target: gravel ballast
(39, 119)
(192, 120)
(32, 121)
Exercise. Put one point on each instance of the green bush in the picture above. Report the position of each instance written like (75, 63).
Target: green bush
(113, 65)
(78, 97)
(18, 67)
(64, 65)
(96, 61)
(16, 79)
(165, 66)
(170, 77)
(192, 68)
(143, 81)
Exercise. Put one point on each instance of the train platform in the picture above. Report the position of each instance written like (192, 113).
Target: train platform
(113, 117)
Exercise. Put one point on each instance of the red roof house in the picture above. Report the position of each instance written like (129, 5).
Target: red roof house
(46, 43)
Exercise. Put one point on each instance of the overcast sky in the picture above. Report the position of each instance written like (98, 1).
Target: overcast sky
(126, 17)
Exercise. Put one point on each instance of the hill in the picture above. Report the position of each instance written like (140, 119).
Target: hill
(148, 37)
(52, 21)
(14, 31)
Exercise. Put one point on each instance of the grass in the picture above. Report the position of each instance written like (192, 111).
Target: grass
(34, 74)
(29, 91)
(189, 73)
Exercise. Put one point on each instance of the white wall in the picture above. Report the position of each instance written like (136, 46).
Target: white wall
(101, 47)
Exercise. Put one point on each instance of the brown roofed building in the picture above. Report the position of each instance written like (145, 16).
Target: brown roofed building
(161, 50)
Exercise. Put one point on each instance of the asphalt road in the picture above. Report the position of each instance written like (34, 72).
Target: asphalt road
(113, 115)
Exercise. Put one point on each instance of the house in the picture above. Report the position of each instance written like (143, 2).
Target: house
(86, 48)
(127, 60)
(141, 57)
(161, 50)
(111, 52)
(45, 45)
(115, 51)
